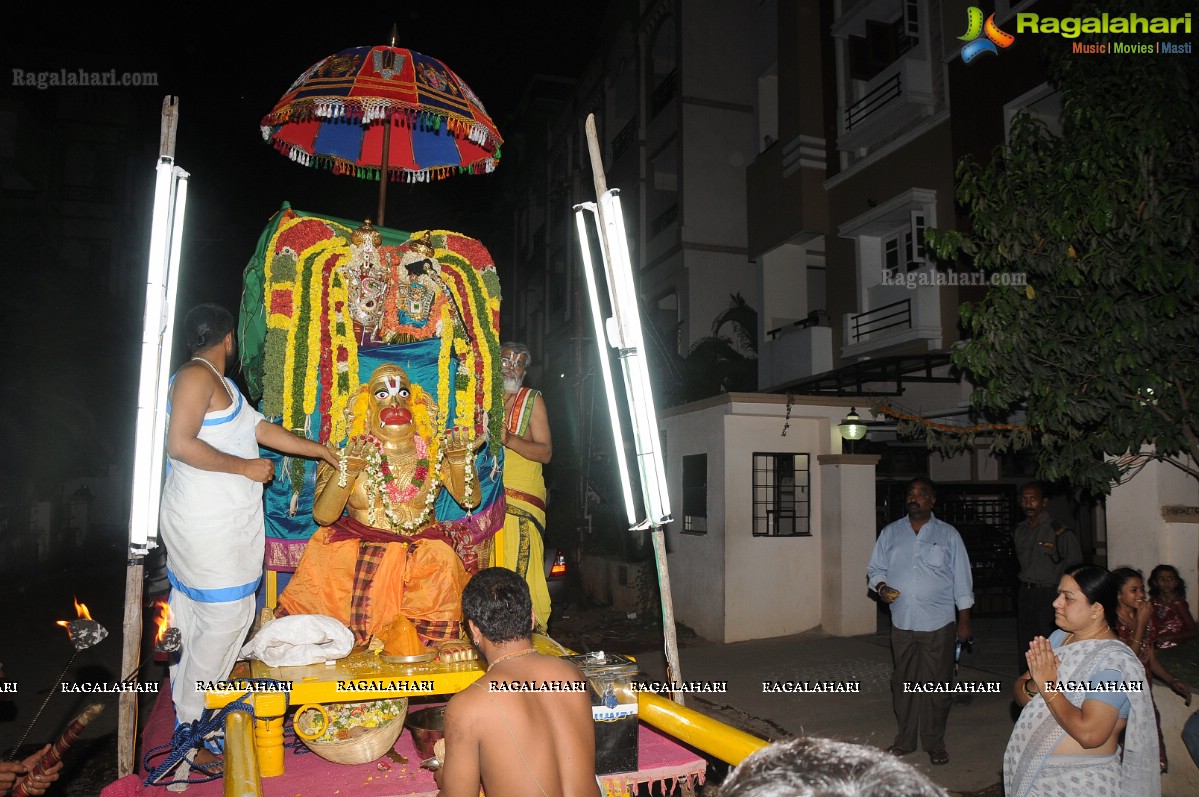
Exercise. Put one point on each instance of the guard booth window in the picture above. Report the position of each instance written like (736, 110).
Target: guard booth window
(781, 495)
(695, 494)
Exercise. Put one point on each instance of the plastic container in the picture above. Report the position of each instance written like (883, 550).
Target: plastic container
(613, 708)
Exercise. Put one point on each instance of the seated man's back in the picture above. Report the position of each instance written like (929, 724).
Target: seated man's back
(529, 721)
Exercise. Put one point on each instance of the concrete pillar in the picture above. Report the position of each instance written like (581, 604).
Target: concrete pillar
(847, 536)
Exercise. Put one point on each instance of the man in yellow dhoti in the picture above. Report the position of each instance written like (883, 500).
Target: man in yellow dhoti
(526, 438)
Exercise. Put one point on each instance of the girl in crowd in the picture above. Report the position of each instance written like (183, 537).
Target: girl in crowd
(1135, 629)
(1172, 620)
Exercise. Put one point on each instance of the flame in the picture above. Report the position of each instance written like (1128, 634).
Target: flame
(163, 620)
(81, 610)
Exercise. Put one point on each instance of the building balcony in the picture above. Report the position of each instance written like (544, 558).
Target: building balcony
(794, 352)
(898, 318)
(625, 139)
(900, 94)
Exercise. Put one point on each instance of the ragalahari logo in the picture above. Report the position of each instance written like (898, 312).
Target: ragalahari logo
(995, 40)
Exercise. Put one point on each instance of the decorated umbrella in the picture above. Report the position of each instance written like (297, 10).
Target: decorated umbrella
(370, 111)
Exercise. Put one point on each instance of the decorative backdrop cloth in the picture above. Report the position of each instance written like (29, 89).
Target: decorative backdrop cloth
(299, 353)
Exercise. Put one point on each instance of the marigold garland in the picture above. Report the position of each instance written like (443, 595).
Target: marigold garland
(324, 353)
(443, 361)
(344, 365)
(469, 291)
(305, 353)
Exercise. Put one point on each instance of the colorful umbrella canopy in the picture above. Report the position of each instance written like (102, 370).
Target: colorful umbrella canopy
(341, 111)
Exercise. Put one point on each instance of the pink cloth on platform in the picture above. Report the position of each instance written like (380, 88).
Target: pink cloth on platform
(660, 760)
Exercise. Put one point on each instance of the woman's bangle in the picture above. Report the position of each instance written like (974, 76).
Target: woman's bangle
(1030, 693)
(1050, 700)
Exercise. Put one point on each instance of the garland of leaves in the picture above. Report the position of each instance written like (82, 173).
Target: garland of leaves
(950, 438)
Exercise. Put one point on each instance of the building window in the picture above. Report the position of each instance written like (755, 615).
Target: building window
(890, 242)
(695, 494)
(781, 498)
(883, 44)
(903, 250)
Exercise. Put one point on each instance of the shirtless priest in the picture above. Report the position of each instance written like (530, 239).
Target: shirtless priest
(509, 731)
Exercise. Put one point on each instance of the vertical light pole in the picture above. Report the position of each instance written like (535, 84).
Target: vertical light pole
(166, 233)
(622, 331)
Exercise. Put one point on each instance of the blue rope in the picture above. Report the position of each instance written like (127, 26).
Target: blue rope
(190, 735)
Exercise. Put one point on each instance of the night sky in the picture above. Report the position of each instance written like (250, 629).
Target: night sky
(228, 73)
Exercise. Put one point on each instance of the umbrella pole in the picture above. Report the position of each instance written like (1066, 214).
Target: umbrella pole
(383, 170)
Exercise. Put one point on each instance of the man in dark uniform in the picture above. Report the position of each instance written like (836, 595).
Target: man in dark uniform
(1044, 549)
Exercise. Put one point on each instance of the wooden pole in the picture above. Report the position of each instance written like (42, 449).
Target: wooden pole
(130, 656)
(395, 33)
(131, 642)
(383, 172)
(673, 671)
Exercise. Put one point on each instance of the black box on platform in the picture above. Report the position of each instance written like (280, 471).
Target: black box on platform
(614, 709)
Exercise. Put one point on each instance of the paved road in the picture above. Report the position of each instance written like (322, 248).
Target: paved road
(979, 725)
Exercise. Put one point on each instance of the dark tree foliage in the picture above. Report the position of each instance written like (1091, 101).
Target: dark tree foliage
(1099, 350)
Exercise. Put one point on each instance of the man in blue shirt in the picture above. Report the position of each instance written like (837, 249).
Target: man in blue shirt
(919, 566)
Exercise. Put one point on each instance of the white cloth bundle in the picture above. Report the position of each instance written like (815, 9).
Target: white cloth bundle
(299, 639)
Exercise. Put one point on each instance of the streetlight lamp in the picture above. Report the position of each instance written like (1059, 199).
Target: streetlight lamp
(851, 428)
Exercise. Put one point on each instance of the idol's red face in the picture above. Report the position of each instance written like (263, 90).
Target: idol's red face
(390, 391)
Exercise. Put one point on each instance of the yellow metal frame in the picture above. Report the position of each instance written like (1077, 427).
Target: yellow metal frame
(698, 730)
(320, 683)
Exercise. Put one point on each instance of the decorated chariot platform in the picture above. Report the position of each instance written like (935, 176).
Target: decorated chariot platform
(327, 303)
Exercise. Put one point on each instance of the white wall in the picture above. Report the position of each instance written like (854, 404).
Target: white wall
(696, 561)
(772, 583)
(730, 585)
(1136, 533)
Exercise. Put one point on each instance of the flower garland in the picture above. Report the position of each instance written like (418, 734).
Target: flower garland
(469, 290)
(392, 330)
(293, 239)
(295, 357)
(382, 484)
(325, 351)
(443, 360)
(339, 374)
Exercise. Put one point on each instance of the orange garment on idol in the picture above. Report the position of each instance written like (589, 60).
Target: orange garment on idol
(421, 580)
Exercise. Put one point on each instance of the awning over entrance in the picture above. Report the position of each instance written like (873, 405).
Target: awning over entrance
(884, 375)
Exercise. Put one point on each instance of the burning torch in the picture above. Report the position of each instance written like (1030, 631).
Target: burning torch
(84, 632)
